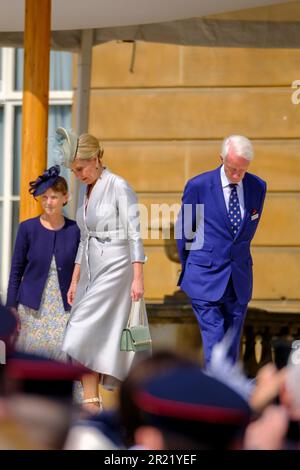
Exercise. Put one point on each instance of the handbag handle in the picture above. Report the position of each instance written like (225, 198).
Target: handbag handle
(138, 304)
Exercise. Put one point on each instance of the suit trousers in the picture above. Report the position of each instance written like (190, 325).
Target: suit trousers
(216, 318)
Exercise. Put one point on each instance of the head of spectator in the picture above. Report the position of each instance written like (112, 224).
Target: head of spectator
(290, 390)
(184, 408)
(8, 335)
(39, 393)
(130, 415)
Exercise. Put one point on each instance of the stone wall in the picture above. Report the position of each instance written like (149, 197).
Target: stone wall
(164, 121)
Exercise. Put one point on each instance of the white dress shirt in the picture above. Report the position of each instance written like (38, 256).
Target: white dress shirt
(227, 190)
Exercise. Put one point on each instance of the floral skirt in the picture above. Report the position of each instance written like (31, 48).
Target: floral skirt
(42, 330)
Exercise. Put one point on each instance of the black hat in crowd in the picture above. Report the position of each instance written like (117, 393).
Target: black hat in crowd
(188, 402)
(39, 375)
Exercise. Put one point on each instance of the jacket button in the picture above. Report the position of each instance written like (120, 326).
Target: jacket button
(59, 269)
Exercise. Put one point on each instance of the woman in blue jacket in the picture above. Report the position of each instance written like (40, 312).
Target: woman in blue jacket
(41, 270)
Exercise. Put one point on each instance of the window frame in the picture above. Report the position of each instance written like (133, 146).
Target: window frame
(9, 100)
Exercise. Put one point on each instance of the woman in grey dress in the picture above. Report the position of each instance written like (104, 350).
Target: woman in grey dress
(108, 271)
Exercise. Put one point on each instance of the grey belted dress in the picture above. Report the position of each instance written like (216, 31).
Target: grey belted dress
(110, 243)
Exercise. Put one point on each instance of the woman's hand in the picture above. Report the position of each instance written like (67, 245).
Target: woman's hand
(73, 287)
(14, 311)
(71, 293)
(137, 289)
(137, 286)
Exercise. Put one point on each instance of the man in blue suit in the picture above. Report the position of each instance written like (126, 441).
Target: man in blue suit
(220, 213)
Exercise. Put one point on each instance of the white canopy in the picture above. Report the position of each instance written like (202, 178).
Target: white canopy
(172, 21)
(85, 14)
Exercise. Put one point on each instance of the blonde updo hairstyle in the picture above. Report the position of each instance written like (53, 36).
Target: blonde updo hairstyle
(88, 147)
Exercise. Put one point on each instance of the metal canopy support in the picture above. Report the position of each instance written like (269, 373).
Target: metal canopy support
(83, 100)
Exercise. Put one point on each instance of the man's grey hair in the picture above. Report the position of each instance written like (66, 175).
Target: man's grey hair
(240, 144)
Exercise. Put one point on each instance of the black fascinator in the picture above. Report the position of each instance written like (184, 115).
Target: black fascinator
(44, 181)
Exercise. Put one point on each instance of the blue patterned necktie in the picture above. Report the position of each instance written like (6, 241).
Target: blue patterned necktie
(234, 210)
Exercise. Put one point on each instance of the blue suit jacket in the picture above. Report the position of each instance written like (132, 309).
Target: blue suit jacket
(206, 271)
(35, 245)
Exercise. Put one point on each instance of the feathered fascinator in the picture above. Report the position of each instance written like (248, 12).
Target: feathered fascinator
(222, 368)
(65, 146)
(44, 181)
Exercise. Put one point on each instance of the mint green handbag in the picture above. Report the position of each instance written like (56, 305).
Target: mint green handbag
(137, 337)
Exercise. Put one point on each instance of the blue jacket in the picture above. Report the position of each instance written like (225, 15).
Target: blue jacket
(206, 271)
(34, 248)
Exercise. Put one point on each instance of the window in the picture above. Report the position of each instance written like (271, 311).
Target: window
(1, 149)
(60, 70)
(60, 109)
(59, 115)
(0, 70)
(1, 182)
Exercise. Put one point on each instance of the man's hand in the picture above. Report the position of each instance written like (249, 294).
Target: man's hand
(268, 383)
(268, 432)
